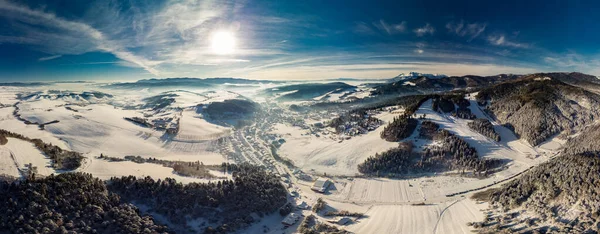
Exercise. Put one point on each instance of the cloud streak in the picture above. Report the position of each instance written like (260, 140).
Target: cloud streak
(471, 30)
(423, 31)
(390, 29)
(500, 40)
(80, 30)
(50, 57)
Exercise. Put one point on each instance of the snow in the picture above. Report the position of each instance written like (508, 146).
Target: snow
(100, 128)
(321, 154)
(105, 170)
(508, 148)
(9, 123)
(447, 217)
(7, 165)
(194, 128)
(25, 152)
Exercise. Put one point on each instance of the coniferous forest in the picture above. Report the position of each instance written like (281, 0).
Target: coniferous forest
(69, 203)
(485, 127)
(80, 203)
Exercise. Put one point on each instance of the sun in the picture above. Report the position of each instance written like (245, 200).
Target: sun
(223, 42)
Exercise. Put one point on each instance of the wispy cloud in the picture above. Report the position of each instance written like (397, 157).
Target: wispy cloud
(390, 28)
(79, 30)
(572, 61)
(471, 30)
(386, 70)
(362, 28)
(501, 40)
(50, 57)
(178, 32)
(427, 29)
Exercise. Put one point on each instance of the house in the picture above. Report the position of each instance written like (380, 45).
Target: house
(291, 219)
(321, 185)
(302, 206)
(341, 221)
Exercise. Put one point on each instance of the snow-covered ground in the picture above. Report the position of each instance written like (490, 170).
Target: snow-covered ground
(21, 152)
(325, 155)
(396, 205)
(446, 217)
(105, 170)
(521, 154)
(8, 166)
(93, 127)
(194, 128)
(100, 129)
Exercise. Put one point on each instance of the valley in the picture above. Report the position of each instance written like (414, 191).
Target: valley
(398, 165)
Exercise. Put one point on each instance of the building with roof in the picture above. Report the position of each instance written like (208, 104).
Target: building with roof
(291, 219)
(321, 185)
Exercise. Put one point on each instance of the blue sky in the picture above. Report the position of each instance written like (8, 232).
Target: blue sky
(296, 40)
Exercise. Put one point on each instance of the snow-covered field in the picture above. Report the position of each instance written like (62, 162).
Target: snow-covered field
(25, 152)
(17, 154)
(94, 126)
(446, 217)
(105, 170)
(322, 154)
(8, 166)
(194, 128)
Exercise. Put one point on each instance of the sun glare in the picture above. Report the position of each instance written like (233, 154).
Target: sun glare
(223, 42)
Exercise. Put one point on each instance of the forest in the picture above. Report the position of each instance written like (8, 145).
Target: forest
(485, 127)
(68, 203)
(453, 153)
(540, 109)
(401, 127)
(587, 141)
(227, 205)
(551, 191)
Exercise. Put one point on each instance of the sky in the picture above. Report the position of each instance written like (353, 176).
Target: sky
(293, 40)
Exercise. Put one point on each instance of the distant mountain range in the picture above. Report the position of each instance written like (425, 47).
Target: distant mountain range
(187, 82)
(415, 75)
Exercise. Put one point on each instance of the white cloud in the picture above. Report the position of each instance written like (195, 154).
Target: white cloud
(500, 40)
(362, 28)
(573, 61)
(390, 28)
(72, 30)
(427, 29)
(50, 57)
(472, 30)
(383, 70)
